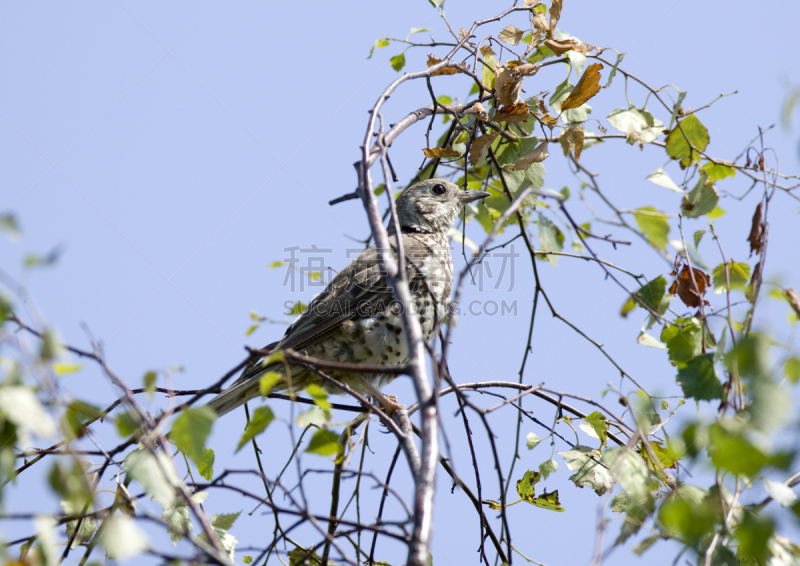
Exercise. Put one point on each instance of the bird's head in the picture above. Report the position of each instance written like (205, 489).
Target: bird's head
(432, 206)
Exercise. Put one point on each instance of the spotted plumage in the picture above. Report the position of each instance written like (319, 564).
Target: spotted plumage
(356, 319)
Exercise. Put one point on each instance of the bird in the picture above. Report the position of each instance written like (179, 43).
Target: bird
(356, 319)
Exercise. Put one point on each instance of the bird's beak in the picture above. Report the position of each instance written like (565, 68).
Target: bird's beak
(468, 196)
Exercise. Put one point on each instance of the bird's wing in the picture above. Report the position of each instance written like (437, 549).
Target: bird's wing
(358, 291)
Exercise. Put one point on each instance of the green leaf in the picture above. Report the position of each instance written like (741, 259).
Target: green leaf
(398, 62)
(267, 381)
(585, 462)
(683, 342)
(630, 471)
(652, 292)
(702, 199)
(377, 45)
(62, 368)
(320, 396)
(750, 357)
(535, 174)
(598, 422)
(660, 178)
(126, 425)
(532, 440)
(298, 308)
(613, 72)
(676, 108)
(272, 265)
(753, 533)
(684, 142)
(78, 414)
(247, 560)
(260, 420)
(699, 379)
(69, 481)
(780, 492)
(525, 486)
(548, 467)
(87, 526)
(325, 443)
(8, 224)
(446, 100)
(698, 235)
(551, 239)
(731, 450)
(142, 466)
(540, 54)
(654, 224)
(686, 515)
(717, 171)
(122, 538)
(639, 125)
(205, 465)
(191, 429)
(251, 329)
(792, 369)
(150, 383)
(224, 521)
(738, 273)
(548, 501)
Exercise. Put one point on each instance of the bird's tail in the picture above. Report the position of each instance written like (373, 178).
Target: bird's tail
(245, 388)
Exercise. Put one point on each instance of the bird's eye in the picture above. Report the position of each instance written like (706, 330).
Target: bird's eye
(439, 189)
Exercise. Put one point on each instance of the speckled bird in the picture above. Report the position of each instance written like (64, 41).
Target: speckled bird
(355, 319)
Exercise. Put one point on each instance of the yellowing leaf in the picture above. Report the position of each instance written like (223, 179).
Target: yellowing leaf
(587, 87)
(440, 152)
(572, 138)
(444, 71)
(511, 35)
(559, 47)
(539, 154)
(555, 12)
(513, 114)
(507, 87)
(548, 501)
(479, 147)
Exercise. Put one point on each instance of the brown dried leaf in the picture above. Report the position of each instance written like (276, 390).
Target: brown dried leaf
(487, 51)
(513, 114)
(539, 154)
(507, 87)
(479, 147)
(440, 152)
(559, 47)
(542, 106)
(555, 13)
(756, 237)
(446, 71)
(794, 299)
(587, 87)
(520, 69)
(480, 112)
(572, 138)
(685, 288)
(510, 34)
(462, 33)
(539, 22)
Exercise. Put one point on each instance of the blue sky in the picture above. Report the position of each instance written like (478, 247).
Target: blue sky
(173, 151)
